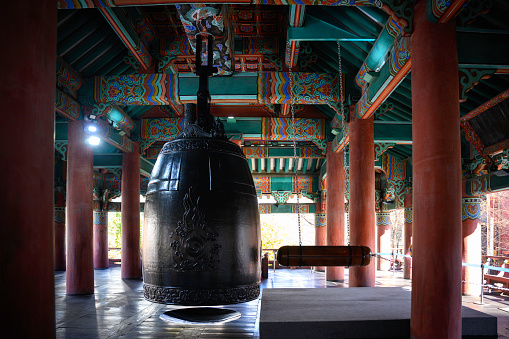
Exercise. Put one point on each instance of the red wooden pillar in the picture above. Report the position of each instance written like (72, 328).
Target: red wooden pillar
(27, 93)
(383, 240)
(472, 251)
(130, 229)
(335, 208)
(101, 240)
(320, 230)
(436, 160)
(79, 216)
(362, 195)
(59, 228)
(407, 240)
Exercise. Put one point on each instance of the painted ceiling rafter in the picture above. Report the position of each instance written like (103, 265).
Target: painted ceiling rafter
(472, 135)
(128, 35)
(296, 19)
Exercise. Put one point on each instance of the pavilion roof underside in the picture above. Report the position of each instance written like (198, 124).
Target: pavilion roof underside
(92, 47)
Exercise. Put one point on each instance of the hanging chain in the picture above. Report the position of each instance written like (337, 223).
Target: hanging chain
(343, 128)
(295, 160)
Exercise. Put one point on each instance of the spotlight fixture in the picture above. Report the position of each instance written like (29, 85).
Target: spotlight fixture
(93, 140)
(92, 128)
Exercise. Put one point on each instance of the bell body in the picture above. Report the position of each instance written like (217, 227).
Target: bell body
(201, 235)
(324, 256)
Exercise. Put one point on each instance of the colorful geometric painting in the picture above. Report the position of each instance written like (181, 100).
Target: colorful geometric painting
(66, 106)
(302, 209)
(323, 201)
(281, 129)
(59, 215)
(400, 55)
(480, 185)
(383, 219)
(307, 88)
(320, 219)
(111, 182)
(302, 184)
(471, 208)
(396, 175)
(408, 215)
(262, 184)
(67, 80)
(75, 4)
(394, 168)
(265, 209)
(100, 218)
(310, 152)
(175, 46)
(256, 152)
(137, 89)
(161, 128)
(262, 45)
(472, 137)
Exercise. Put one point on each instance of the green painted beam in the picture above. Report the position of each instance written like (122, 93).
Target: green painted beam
(317, 30)
(395, 132)
(287, 165)
(313, 164)
(287, 208)
(146, 167)
(251, 126)
(124, 28)
(305, 165)
(259, 165)
(484, 49)
(277, 165)
(111, 160)
(242, 84)
(489, 183)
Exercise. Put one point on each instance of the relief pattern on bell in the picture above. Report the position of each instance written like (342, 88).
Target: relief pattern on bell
(193, 242)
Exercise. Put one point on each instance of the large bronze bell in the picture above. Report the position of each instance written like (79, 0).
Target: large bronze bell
(201, 236)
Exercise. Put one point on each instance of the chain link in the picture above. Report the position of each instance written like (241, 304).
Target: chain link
(295, 160)
(343, 129)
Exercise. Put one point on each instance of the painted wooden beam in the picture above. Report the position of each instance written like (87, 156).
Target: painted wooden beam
(482, 49)
(472, 136)
(67, 106)
(384, 132)
(127, 34)
(261, 88)
(444, 11)
(377, 55)
(68, 80)
(116, 115)
(318, 30)
(257, 152)
(489, 183)
(296, 19)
